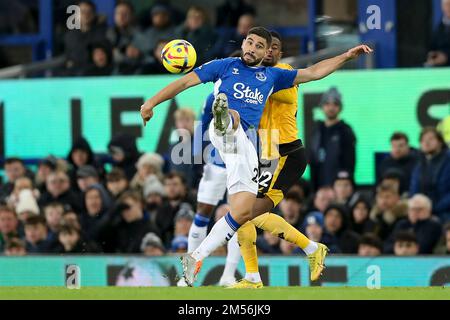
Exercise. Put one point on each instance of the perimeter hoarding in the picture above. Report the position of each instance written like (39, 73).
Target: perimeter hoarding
(275, 271)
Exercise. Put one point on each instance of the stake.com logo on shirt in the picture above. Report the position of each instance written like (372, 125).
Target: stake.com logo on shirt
(241, 91)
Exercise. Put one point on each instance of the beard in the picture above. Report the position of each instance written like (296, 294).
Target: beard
(251, 64)
(269, 62)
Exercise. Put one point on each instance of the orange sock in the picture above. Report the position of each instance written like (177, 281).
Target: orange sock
(279, 227)
(247, 244)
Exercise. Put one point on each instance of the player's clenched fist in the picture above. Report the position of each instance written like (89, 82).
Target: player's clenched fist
(146, 112)
(356, 51)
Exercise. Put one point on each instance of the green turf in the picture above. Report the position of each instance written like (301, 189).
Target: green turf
(217, 293)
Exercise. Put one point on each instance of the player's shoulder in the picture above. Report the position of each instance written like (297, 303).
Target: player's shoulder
(283, 66)
(220, 61)
(279, 68)
(228, 60)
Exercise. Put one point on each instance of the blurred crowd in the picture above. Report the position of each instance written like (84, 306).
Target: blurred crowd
(130, 47)
(145, 202)
(133, 43)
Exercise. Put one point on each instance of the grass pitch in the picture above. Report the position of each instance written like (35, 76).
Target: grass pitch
(218, 293)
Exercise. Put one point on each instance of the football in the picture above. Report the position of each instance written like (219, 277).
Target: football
(178, 56)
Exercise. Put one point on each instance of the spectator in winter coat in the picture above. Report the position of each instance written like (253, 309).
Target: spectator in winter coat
(333, 143)
(402, 159)
(388, 210)
(421, 223)
(77, 41)
(125, 234)
(58, 190)
(80, 155)
(432, 175)
(313, 226)
(96, 215)
(121, 36)
(336, 225)
(359, 217)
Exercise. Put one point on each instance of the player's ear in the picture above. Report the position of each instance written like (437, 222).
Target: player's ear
(242, 45)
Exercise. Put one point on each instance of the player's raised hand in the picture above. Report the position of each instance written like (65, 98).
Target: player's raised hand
(357, 51)
(146, 112)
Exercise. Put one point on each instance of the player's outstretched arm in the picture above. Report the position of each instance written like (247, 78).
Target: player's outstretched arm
(167, 93)
(324, 68)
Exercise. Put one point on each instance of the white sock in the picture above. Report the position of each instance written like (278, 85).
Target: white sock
(196, 236)
(253, 277)
(311, 247)
(233, 257)
(222, 232)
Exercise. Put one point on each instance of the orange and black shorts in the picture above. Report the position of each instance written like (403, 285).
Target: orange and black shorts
(277, 176)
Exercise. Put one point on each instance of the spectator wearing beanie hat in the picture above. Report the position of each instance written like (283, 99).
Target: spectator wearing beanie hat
(27, 203)
(314, 229)
(87, 176)
(333, 143)
(152, 245)
(183, 221)
(21, 184)
(80, 155)
(153, 196)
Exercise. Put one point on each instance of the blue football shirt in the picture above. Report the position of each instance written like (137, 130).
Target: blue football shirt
(247, 88)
